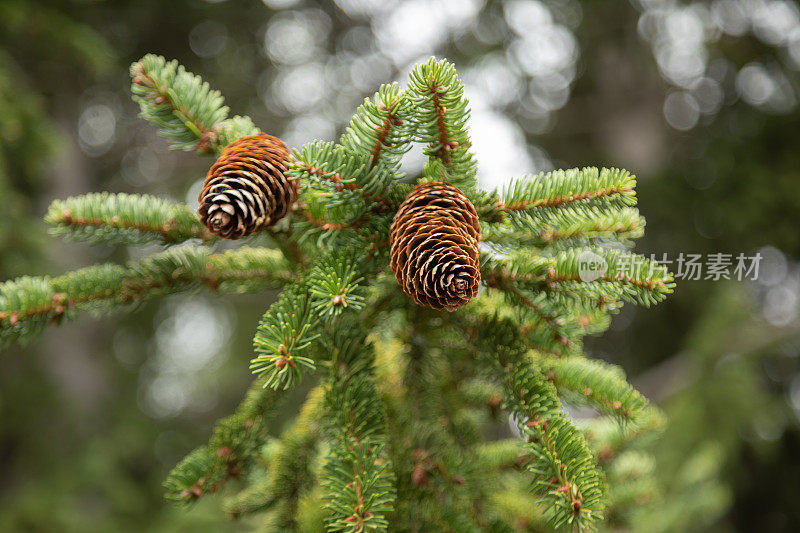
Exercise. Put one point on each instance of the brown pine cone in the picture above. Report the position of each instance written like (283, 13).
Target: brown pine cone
(434, 246)
(246, 190)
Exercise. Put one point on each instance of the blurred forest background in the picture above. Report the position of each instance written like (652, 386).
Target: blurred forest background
(698, 99)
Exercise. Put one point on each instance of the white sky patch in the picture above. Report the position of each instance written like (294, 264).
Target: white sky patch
(500, 148)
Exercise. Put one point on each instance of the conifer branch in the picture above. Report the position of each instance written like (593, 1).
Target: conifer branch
(335, 168)
(566, 472)
(501, 454)
(283, 337)
(258, 496)
(591, 275)
(289, 247)
(439, 121)
(504, 279)
(358, 477)
(324, 225)
(560, 339)
(228, 454)
(488, 206)
(234, 128)
(289, 462)
(523, 510)
(594, 383)
(608, 438)
(343, 226)
(333, 177)
(621, 275)
(180, 104)
(28, 304)
(379, 128)
(567, 339)
(567, 476)
(125, 219)
(631, 479)
(334, 284)
(560, 188)
(571, 224)
(545, 257)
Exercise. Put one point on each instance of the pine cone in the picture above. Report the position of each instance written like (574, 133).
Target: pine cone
(434, 246)
(246, 190)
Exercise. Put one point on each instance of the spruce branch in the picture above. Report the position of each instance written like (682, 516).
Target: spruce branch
(343, 226)
(325, 161)
(569, 226)
(560, 188)
(343, 196)
(359, 485)
(566, 473)
(549, 257)
(228, 454)
(631, 479)
(198, 473)
(591, 275)
(520, 506)
(28, 304)
(234, 128)
(566, 339)
(358, 477)
(233, 449)
(249, 269)
(335, 168)
(284, 240)
(379, 128)
(562, 338)
(595, 383)
(258, 496)
(501, 454)
(125, 219)
(284, 335)
(439, 121)
(334, 283)
(622, 275)
(289, 472)
(505, 278)
(326, 226)
(183, 107)
(290, 467)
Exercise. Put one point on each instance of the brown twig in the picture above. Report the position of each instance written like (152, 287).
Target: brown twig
(383, 133)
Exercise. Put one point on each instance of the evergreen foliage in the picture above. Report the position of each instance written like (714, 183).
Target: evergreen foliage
(28, 304)
(285, 333)
(594, 383)
(391, 434)
(358, 478)
(439, 122)
(559, 457)
(379, 128)
(186, 111)
(124, 219)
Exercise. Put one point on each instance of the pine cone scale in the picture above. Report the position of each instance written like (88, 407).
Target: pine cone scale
(434, 246)
(246, 190)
